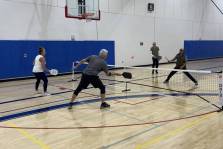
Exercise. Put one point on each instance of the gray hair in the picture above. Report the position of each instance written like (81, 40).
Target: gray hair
(103, 52)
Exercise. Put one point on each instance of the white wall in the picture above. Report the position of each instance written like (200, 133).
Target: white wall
(125, 21)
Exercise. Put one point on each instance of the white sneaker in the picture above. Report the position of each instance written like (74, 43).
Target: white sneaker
(46, 94)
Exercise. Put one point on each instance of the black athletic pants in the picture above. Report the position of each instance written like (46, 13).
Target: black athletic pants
(186, 73)
(41, 76)
(155, 63)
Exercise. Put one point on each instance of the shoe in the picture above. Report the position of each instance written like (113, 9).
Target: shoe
(156, 72)
(165, 82)
(104, 105)
(46, 94)
(70, 106)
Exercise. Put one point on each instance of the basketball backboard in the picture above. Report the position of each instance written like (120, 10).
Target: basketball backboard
(82, 9)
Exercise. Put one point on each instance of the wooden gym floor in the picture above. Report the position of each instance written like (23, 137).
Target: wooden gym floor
(142, 118)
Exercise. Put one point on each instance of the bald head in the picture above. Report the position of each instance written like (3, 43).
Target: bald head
(103, 53)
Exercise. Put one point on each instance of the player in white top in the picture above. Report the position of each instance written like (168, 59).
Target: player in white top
(39, 69)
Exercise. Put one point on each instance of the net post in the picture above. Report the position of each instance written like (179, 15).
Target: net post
(126, 85)
(220, 86)
(73, 73)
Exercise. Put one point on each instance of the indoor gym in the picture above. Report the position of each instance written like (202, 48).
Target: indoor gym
(146, 110)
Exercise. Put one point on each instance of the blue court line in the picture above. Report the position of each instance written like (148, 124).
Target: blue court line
(137, 96)
(147, 95)
(50, 108)
(34, 97)
(33, 106)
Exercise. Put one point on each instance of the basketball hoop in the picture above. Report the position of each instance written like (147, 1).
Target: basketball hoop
(87, 10)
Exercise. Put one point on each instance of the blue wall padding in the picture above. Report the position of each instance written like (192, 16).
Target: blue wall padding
(196, 50)
(17, 55)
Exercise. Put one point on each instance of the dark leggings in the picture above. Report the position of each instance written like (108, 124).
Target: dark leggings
(88, 79)
(186, 73)
(41, 76)
(155, 63)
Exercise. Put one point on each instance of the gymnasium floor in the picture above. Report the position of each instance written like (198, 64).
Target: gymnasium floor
(145, 117)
